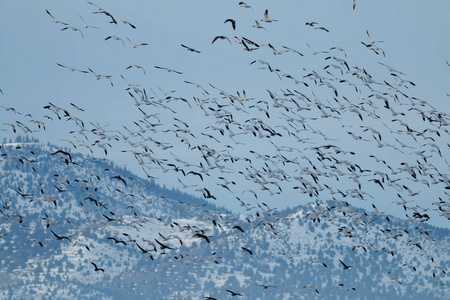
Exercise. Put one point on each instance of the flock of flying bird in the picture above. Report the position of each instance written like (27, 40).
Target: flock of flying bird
(293, 149)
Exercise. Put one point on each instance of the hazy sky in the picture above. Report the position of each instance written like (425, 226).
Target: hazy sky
(415, 35)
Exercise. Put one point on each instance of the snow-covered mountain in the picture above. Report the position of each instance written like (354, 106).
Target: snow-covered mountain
(81, 227)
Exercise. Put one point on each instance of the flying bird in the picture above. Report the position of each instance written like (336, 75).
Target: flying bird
(73, 29)
(72, 69)
(86, 25)
(137, 45)
(37, 241)
(245, 5)
(322, 28)
(238, 228)
(59, 238)
(117, 241)
(202, 236)
(314, 52)
(116, 38)
(293, 50)
(76, 107)
(97, 268)
(266, 17)
(128, 23)
(118, 177)
(206, 193)
(370, 39)
(195, 173)
(347, 288)
(264, 286)
(312, 286)
(233, 294)
(233, 23)
(67, 154)
(102, 11)
(317, 261)
(221, 37)
(190, 49)
(247, 250)
(137, 67)
(168, 70)
(54, 19)
(346, 267)
(257, 25)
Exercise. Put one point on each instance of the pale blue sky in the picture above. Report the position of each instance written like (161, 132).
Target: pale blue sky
(416, 35)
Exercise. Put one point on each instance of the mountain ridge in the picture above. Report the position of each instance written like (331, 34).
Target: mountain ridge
(200, 249)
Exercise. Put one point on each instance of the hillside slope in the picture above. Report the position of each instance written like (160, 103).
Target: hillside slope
(79, 227)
